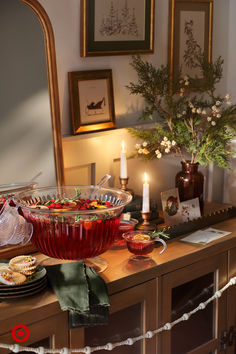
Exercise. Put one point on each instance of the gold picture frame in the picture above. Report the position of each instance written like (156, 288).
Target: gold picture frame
(197, 13)
(116, 28)
(91, 100)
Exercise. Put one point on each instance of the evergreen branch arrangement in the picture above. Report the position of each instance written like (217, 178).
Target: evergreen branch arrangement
(187, 118)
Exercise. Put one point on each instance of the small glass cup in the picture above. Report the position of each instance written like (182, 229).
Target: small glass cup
(14, 229)
(141, 244)
(125, 226)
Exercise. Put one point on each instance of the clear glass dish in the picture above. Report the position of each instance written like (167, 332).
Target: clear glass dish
(73, 234)
(8, 190)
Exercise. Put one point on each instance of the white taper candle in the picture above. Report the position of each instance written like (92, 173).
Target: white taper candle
(146, 203)
(123, 161)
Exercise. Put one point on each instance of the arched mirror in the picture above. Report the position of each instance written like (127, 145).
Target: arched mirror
(30, 127)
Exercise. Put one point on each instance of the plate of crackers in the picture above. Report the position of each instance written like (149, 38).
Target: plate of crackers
(20, 277)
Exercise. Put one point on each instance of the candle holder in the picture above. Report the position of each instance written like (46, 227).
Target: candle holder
(124, 182)
(146, 225)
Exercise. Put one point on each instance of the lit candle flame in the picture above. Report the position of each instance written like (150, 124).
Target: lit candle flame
(145, 177)
(123, 146)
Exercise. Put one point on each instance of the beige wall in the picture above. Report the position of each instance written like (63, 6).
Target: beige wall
(102, 149)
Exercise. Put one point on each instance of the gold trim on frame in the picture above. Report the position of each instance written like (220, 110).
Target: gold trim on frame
(85, 52)
(172, 9)
(74, 78)
(11, 251)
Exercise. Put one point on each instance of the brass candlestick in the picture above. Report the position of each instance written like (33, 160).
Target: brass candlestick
(146, 225)
(124, 182)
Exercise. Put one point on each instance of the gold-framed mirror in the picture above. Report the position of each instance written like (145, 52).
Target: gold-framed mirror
(30, 122)
(14, 13)
(52, 84)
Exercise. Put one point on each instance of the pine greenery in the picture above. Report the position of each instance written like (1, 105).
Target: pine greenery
(187, 117)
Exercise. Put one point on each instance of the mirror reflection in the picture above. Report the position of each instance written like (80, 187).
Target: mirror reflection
(25, 120)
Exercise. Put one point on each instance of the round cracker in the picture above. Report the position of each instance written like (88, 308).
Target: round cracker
(19, 262)
(18, 278)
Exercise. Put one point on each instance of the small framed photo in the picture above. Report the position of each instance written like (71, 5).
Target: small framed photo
(91, 100)
(116, 27)
(190, 25)
(190, 209)
(171, 206)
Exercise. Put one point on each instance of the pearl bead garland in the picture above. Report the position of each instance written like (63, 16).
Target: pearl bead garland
(16, 348)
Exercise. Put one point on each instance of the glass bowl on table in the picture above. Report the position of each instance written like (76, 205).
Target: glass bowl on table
(73, 222)
(141, 244)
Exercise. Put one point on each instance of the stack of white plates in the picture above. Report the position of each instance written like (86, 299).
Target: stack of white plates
(33, 285)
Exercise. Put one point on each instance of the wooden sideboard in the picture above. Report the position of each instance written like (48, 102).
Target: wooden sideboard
(145, 298)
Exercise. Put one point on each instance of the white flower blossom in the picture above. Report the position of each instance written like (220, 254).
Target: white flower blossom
(157, 152)
(163, 142)
(167, 150)
(184, 112)
(193, 110)
(214, 108)
(218, 103)
(159, 155)
(229, 103)
(213, 123)
(145, 143)
(218, 115)
(173, 143)
(227, 97)
(137, 146)
(165, 138)
(199, 111)
(204, 111)
(140, 151)
(208, 119)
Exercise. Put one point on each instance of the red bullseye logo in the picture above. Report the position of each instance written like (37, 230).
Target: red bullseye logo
(20, 333)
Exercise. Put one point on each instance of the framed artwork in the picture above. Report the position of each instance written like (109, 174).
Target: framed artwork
(91, 100)
(190, 24)
(190, 209)
(171, 206)
(116, 27)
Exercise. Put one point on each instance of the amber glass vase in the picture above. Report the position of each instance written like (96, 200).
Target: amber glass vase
(190, 182)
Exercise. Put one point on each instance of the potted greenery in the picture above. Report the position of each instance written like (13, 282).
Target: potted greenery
(188, 120)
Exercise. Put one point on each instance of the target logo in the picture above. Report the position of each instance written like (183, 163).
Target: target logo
(20, 333)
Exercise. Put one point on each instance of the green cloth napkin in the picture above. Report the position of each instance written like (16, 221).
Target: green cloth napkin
(82, 292)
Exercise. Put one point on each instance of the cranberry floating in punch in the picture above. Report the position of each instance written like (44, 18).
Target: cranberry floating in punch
(73, 222)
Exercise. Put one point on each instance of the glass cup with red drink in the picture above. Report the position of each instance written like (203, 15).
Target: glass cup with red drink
(141, 244)
(125, 226)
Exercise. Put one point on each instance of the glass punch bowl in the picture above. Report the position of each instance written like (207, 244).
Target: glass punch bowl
(73, 234)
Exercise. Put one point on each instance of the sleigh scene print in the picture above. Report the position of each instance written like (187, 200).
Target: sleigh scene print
(92, 102)
(96, 108)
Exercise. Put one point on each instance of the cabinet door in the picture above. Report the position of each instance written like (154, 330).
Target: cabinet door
(231, 304)
(49, 333)
(181, 291)
(132, 312)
